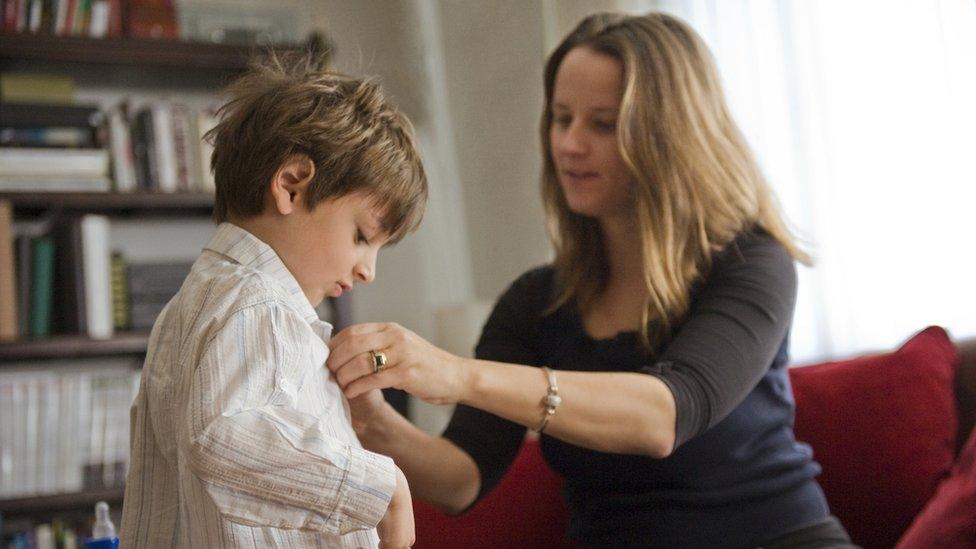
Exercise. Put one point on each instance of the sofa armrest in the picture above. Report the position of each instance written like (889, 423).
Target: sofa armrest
(966, 389)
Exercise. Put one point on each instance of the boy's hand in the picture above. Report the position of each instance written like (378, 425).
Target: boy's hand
(412, 364)
(363, 410)
(396, 528)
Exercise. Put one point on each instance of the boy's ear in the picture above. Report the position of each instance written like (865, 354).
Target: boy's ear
(290, 182)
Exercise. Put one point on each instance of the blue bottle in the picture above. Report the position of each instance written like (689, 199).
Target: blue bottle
(103, 533)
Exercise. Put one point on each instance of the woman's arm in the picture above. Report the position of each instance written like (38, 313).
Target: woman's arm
(618, 412)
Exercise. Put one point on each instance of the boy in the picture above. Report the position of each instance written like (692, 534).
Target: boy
(239, 438)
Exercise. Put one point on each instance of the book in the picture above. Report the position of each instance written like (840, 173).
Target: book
(54, 184)
(120, 292)
(70, 315)
(120, 143)
(24, 259)
(152, 19)
(66, 137)
(164, 147)
(206, 121)
(9, 325)
(96, 266)
(34, 88)
(53, 162)
(142, 150)
(16, 115)
(42, 285)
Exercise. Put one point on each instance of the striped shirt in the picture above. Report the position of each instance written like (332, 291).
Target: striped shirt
(239, 437)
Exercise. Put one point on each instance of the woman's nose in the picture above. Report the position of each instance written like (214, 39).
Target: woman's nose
(571, 141)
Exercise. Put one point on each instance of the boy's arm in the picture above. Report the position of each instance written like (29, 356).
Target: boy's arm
(261, 459)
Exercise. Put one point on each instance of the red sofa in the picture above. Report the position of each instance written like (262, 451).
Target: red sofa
(886, 428)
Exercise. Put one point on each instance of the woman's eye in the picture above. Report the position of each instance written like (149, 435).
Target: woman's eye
(562, 121)
(605, 126)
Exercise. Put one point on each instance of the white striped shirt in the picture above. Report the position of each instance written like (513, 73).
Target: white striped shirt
(239, 437)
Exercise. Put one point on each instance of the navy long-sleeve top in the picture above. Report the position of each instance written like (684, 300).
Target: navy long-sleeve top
(737, 476)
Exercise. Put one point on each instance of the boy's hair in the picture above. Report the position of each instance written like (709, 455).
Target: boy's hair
(289, 104)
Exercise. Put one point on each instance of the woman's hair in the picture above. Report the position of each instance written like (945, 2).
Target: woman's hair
(697, 185)
(287, 105)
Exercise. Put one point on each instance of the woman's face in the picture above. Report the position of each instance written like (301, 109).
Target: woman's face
(583, 135)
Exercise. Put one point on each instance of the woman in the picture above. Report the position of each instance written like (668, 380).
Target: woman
(661, 327)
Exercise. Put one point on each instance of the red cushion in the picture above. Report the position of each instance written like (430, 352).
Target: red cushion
(883, 427)
(949, 519)
(525, 510)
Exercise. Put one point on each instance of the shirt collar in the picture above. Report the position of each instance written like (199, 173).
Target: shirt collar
(248, 250)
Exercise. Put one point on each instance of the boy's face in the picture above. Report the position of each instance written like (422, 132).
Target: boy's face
(334, 246)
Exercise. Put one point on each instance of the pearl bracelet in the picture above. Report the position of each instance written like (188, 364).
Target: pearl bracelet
(551, 401)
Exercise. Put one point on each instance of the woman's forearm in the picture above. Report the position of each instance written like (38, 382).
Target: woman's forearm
(439, 472)
(617, 412)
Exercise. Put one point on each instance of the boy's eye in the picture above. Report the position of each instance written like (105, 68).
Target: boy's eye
(562, 121)
(361, 238)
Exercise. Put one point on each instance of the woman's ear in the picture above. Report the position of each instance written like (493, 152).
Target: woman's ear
(290, 182)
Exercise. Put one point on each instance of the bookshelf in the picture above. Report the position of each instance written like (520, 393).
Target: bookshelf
(109, 64)
(73, 346)
(142, 53)
(136, 203)
(47, 504)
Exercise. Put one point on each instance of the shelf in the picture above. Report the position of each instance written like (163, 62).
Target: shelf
(96, 202)
(60, 502)
(129, 51)
(74, 346)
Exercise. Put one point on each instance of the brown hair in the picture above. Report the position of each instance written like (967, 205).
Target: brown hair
(697, 185)
(289, 104)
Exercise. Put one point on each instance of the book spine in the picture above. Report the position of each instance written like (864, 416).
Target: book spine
(165, 147)
(120, 293)
(97, 278)
(7, 440)
(123, 160)
(42, 288)
(9, 325)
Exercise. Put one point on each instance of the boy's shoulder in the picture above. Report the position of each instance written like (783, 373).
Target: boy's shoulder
(218, 289)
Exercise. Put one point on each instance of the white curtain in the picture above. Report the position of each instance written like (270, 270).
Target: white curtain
(863, 115)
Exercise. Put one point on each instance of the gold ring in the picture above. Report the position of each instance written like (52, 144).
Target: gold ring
(379, 361)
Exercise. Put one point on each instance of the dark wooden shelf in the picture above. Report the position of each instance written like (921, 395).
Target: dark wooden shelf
(60, 502)
(74, 346)
(97, 202)
(129, 51)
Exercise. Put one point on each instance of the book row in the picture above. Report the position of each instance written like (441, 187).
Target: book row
(64, 431)
(158, 147)
(93, 18)
(61, 276)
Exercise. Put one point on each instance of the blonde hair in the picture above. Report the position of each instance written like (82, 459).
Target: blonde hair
(286, 105)
(697, 187)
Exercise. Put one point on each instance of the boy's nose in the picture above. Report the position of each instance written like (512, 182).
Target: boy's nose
(365, 272)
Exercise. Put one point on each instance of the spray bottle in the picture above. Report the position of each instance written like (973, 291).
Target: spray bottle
(103, 533)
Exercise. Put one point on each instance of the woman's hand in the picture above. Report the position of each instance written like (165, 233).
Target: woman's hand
(412, 364)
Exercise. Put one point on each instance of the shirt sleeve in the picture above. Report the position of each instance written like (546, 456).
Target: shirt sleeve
(507, 336)
(737, 323)
(262, 459)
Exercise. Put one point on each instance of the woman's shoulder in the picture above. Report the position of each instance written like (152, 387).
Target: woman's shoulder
(531, 292)
(535, 279)
(754, 246)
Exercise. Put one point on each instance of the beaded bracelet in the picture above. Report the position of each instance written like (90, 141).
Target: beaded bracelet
(551, 401)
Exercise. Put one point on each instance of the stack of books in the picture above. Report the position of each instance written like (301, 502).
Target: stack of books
(51, 148)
